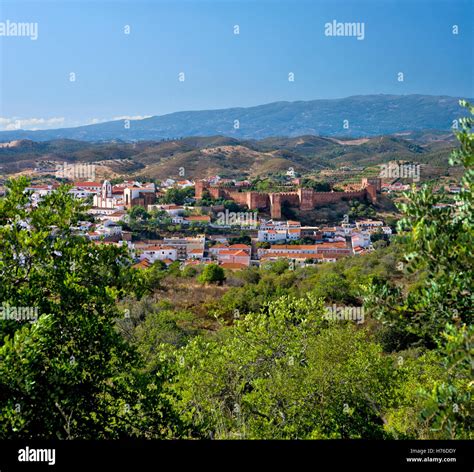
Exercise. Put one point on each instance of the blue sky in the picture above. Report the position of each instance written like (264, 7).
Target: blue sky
(137, 75)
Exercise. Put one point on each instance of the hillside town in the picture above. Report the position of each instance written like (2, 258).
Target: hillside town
(214, 228)
(236, 226)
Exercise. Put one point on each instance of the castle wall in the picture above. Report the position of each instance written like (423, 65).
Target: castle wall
(276, 200)
(214, 192)
(305, 199)
(322, 198)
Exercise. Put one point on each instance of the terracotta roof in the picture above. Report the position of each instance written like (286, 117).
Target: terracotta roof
(87, 184)
(292, 256)
(233, 252)
(218, 246)
(294, 246)
(144, 264)
(196, 262)
(198, 218)
(336, 244)
(239, 246)
(233, 265)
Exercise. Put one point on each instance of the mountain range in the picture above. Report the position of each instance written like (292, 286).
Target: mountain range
(199, 157)
(356, 116)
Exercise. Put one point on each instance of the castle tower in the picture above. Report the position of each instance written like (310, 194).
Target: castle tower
(375, 181)
(275, 206)
(199, 187)
(305, 196)
(371, 193)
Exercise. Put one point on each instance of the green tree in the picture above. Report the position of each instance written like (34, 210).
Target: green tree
(286, 373)
(212, 273)
(68, 374)
(139, 213)
(177, 196)
(448, 407)
(436, 312)
(438, 248)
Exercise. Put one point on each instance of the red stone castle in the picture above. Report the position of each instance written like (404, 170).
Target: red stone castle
(303, 198)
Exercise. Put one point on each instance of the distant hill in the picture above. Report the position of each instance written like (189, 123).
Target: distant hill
(366, 115)
(227, 156)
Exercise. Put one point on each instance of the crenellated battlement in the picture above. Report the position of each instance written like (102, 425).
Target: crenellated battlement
(305, 199)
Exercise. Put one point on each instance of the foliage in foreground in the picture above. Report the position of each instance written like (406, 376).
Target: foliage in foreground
(68, 373)
(279, 369)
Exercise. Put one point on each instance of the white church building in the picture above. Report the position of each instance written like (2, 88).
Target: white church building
(105, 199)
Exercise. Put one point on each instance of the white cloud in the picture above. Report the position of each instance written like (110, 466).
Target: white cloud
(95, 121)
(32, 124)
(127, 117)
(15, 123)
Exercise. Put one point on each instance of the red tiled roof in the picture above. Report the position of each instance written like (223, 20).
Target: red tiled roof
(294, 246)
(292, 256)
(233, 252)
(239, 246)
(336, 244)
(144, 264)
(233, 265)
(87, 184)
(198, 218)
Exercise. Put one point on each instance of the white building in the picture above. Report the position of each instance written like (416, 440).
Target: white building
(270, 231)
(159, 253)
(172, 210)
(360, 240)
(369, 224)
(105, 198)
